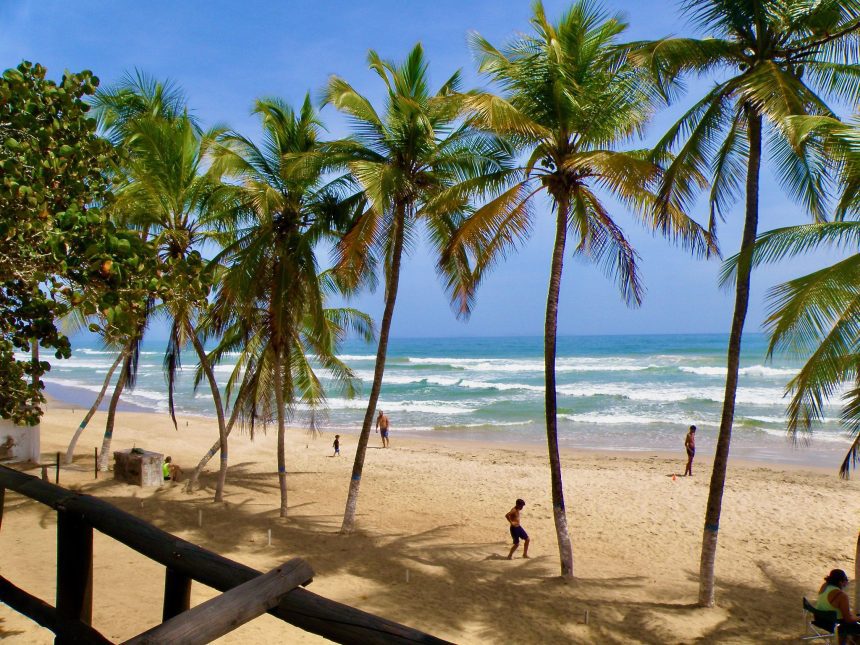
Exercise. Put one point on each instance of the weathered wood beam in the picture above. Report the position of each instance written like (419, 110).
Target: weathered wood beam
(74, 567)
(177, 594)
(222, 614)
(42, 613)
(304, 609)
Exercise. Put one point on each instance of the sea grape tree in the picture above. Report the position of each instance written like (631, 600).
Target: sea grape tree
(57, 247)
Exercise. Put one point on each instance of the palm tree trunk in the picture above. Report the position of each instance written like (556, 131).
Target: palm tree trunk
(219, 410)
(70, 451)
(857, 573)
(381, 351)
(282, 463)
(192, 480)
(742, 296)
(565, 550)
(104, 455)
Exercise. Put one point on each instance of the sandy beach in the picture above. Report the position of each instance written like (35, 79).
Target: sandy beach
(436, 510)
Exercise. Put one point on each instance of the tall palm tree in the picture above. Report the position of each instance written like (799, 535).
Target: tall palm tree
(160, 149)
(184, 208)
(568, 97)
(270, 305)
(70, 451)
(167, 195)
(112, 337)
(773, 57)
(403, 156)
(817, 316)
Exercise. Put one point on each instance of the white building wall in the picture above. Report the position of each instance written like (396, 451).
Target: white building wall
(27, 442)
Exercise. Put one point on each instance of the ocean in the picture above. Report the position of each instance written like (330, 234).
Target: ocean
(630, 393)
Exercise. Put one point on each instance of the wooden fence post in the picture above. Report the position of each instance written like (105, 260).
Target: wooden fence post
(177, 594)
(57, 480)
(2, 502)
(74, 568)
(222, 614)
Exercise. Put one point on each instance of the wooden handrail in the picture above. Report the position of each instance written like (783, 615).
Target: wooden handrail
(48, 616)
(222, 614)
(300, 607)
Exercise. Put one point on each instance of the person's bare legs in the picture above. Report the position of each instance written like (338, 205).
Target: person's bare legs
(689, 468)
(513, 548)
(526, 548)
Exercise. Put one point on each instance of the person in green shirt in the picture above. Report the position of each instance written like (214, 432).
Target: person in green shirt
(832, 597)
(169, 470)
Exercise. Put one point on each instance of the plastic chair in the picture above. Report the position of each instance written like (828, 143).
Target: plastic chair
(820, 625)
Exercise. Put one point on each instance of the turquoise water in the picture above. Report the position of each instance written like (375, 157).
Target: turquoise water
(614, 392)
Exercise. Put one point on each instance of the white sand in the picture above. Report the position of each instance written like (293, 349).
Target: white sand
(437, 510)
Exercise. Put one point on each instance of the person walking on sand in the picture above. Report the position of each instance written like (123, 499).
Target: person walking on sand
(382, 427)
(690, 446)
(517, 531)
(336, 445)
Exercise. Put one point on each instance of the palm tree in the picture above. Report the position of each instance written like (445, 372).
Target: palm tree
(569, 96)
(137, 115)
(817, 316)
(171, 197)
(270, 306)
(403, 157)
(182, 207)
(773, 57)
(70, 451)
(167, 196)
(112, 337)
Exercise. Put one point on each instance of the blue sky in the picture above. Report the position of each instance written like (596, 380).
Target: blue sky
(225, 55)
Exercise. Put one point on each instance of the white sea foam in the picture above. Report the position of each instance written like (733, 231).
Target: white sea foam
(80, 363)
(613, 419)
(753, 370)
(822, 436)
(139, 396)
(486, 424)
(68, 382)
(428, 407)
(639, 392)
(404, 379)
(578, 364)
(357, 357)
(661, 393)
(489, 385)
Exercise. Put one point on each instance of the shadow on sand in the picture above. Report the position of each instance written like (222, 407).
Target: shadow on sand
(464, 586)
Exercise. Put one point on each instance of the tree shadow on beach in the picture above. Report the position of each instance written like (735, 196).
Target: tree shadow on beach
(466, 587)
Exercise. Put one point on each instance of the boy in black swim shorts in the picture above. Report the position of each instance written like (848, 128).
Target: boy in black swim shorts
(517, 532)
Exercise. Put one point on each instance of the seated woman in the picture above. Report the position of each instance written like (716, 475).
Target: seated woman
(170, 471)
(832, 597)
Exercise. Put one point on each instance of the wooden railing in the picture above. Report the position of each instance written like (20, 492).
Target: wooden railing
(277, 592)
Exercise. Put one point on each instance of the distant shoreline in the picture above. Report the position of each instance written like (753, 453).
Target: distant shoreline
(67, 397)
